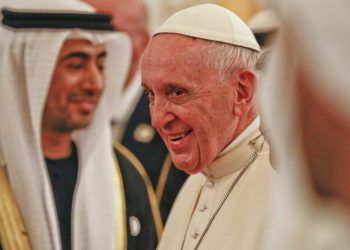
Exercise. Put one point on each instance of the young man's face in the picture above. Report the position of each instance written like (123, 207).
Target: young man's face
(76, 86)
(190, 108)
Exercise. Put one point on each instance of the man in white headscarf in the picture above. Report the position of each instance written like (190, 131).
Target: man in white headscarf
(305, 104)
(60, 68)
(198, 71)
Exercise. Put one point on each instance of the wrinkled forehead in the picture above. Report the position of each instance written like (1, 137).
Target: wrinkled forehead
(177, 40)
(171, 47)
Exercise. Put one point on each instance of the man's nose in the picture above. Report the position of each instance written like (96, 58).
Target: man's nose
(161, 114)
(94, 77)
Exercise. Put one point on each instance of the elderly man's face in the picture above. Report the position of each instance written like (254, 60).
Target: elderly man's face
(76, 86)
(190, 108)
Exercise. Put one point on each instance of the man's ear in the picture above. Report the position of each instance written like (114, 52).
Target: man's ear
(245, 88)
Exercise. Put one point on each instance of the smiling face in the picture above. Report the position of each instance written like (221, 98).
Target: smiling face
(76, 86)
(192, 110)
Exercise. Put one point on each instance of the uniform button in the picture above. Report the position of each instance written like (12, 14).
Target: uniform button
(195, 235)
(144, 133)
(135, 226)
(210, 184)
(203, 207)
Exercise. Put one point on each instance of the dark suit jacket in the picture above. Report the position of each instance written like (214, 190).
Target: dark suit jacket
(143, 221)
(153, 154)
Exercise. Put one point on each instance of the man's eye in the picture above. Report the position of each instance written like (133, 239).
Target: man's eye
(178, 95)
(75, 66)
(178, 92)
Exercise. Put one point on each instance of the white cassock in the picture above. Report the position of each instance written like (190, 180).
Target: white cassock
(241, 222)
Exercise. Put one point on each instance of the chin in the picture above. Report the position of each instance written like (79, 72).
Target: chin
(82, 120)
(188, 168)
(80, 124)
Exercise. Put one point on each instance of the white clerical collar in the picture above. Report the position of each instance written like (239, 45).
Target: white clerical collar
(236, 154)
(252, 127)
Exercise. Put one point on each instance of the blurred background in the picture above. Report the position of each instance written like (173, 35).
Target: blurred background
(161, 9)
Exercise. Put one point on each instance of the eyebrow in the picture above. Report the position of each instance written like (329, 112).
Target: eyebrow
(83, 55)
(102, 54)
(166, 87)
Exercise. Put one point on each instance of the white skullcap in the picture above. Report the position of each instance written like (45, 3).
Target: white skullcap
(211, 22)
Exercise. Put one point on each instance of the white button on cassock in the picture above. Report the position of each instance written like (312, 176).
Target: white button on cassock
(210, 184)
(195, 235)
(203, 207)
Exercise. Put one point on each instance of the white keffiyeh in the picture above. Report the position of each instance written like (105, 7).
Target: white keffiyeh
(27, 61)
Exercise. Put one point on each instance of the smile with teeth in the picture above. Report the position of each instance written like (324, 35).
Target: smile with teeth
(179, 136)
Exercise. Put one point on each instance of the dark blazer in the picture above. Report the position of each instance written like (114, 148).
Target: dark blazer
(149, 148)
(143, 221)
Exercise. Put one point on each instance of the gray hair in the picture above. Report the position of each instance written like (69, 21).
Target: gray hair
(227, 58)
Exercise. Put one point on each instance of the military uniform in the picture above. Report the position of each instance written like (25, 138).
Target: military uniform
(142, 217)
(144, 141)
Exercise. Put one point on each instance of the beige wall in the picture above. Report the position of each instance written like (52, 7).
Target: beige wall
(243, 8)
(162, 9)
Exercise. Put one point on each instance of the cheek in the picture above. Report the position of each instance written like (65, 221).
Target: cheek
(202, 126)
(213, 129)
(205, 119)
(63, 85)
(62, 102)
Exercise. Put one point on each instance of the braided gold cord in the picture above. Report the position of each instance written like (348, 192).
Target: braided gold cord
(13, 235)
